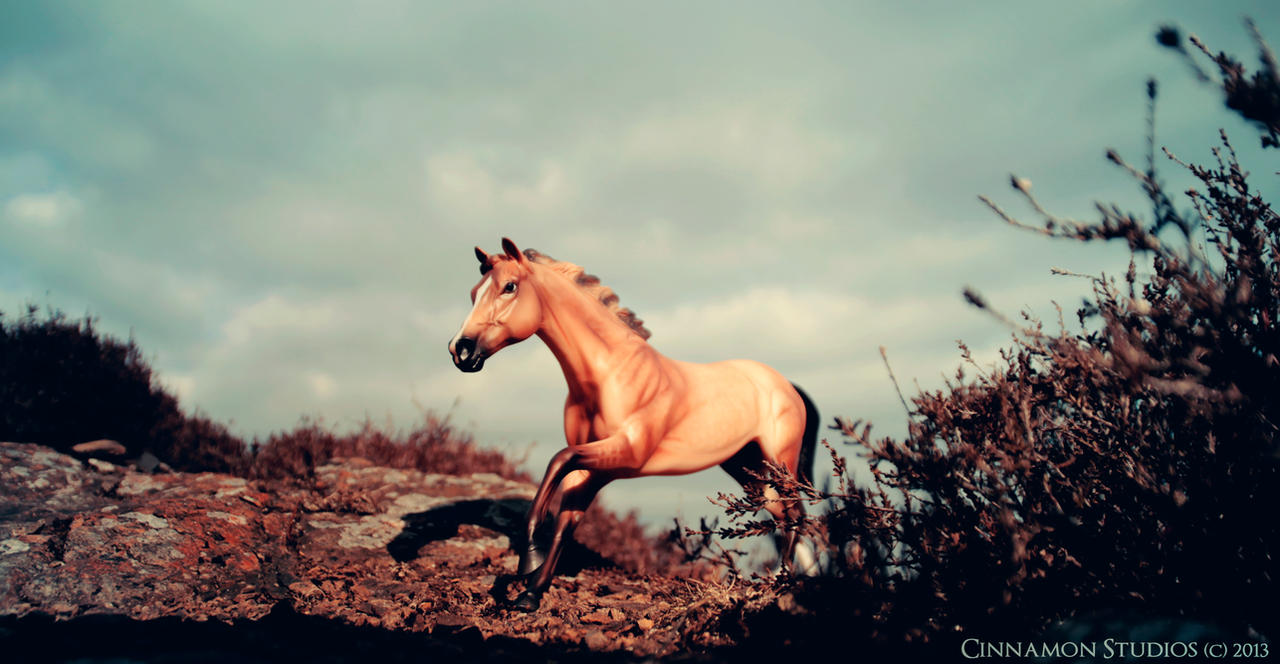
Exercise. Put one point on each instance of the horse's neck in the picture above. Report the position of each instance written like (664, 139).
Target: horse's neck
(587, 339)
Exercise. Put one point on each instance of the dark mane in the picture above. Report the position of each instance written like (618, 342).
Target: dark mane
(591, 284)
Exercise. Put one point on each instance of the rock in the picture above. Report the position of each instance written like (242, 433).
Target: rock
(354, 547)
(148, 462)
(102, 445)
(213, 546)
(103, 466)
(451, 620)
(602, 616)
(597, 640)
(305, 589)
(12, 546)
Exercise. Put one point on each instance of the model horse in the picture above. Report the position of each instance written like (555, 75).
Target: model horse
(631, 411)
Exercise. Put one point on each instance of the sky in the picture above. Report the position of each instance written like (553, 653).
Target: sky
(278, 201)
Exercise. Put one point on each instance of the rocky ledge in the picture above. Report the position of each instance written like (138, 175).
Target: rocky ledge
(100, 562)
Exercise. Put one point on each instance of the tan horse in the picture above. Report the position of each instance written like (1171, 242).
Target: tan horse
(631, 411)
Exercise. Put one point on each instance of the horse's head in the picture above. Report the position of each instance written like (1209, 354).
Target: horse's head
(505, 311)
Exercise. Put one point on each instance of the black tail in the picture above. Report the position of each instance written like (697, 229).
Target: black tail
(810, 443)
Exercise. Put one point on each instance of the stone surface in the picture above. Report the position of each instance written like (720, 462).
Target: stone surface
(356, 547)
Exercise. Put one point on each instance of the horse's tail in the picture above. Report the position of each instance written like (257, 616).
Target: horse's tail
(809, 445)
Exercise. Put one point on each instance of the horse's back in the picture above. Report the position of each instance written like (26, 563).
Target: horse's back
(781, 411)
(727, 405)
(774, 395)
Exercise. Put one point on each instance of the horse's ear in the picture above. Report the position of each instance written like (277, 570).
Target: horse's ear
(485, 263)
(510, 247)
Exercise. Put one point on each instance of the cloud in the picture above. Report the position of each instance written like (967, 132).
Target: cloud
(104, 138)
(43, 209)
(345, 355)
(803, 327)
(322, 385)
(774, 146)
(458, 182)
(827, 340)
(181, 386)
(274, 317)
(763, 321)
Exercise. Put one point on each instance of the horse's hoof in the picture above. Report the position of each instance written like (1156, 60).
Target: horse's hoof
(531, 561)
(528, 601)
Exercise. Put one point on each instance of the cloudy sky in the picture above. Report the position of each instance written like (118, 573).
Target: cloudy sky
(278, 201)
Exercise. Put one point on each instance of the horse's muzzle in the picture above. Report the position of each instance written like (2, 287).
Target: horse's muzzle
(466, 356)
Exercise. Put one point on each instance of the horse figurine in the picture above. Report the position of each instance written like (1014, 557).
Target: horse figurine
(631, 411)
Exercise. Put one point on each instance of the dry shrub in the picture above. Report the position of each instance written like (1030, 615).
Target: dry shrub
(1131, 465)
(64, 383)
(434, 446)
(1256, 98)
(629, 544)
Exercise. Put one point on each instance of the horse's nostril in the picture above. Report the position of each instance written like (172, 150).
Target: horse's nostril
(465, 348)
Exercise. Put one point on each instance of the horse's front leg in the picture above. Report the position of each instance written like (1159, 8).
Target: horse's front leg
(607, 454)
(532, 557)
(576, 428)
(600, 457)
(576, 493)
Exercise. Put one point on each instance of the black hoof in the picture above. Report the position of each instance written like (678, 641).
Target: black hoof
(528, 601)
(531, 561)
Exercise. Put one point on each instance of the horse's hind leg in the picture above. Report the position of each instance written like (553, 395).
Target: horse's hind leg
(577, 492)
(741, 467)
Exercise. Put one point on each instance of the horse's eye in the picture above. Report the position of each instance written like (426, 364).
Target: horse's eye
(510, 287)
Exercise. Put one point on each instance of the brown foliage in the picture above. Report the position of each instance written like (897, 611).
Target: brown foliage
(435, 446)
(1130, 465)
(1255, 98)
(629, 544)
(63, 383)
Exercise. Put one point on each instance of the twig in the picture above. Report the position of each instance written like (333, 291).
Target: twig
(1069, 273)
(894, 378)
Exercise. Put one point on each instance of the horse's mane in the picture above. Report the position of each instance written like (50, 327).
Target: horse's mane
(592, 286)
